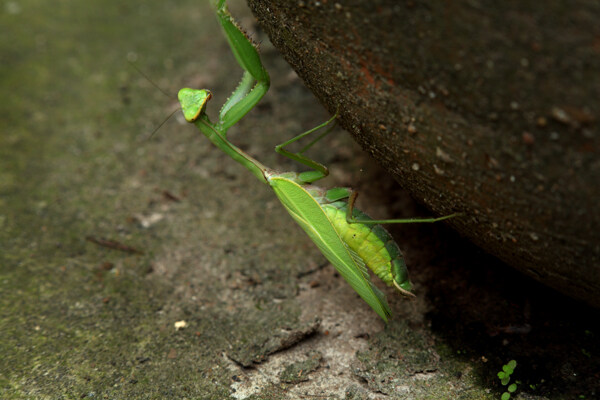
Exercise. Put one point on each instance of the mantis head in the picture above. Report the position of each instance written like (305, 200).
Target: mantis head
(193, 102)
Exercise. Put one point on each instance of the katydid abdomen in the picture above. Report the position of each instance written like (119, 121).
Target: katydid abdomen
(373, 244)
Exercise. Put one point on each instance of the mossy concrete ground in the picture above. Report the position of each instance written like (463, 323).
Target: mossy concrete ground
(261, 315)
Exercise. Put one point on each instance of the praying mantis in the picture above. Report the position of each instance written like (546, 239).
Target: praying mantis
(347, 237)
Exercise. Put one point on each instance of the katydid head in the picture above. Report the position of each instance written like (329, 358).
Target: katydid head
(193, 102)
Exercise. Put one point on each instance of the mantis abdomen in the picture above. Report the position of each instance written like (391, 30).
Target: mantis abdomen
(373, 244)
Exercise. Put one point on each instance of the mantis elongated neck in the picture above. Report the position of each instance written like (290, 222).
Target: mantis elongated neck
(257, 168)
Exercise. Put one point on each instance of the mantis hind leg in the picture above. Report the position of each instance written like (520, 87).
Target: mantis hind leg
(319, 170)
(352, 220)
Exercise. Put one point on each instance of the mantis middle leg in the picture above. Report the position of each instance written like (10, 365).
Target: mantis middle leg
(319, 170)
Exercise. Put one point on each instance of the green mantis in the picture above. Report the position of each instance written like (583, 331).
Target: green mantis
(348, 238)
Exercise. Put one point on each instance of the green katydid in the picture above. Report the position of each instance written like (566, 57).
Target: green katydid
(348, 238)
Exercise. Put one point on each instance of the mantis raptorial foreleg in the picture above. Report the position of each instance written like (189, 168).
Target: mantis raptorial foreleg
(348, 238)
(247, 94)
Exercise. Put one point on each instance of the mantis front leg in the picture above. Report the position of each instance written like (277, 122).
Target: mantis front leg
(252, 87)
(247, 94)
